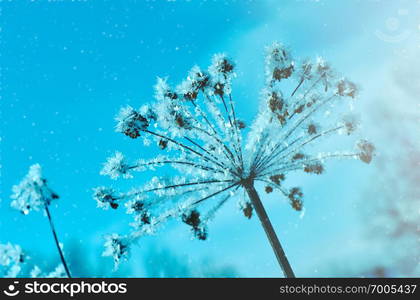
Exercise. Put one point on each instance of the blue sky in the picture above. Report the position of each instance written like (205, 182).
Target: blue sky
(68, 66)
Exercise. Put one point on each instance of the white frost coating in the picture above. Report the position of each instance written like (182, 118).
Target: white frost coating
(116, 166)
(32, 193)
(207, 158)
(11, 259)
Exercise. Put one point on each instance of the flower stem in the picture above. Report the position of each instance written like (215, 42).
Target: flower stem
(269, 230)
(63, 260)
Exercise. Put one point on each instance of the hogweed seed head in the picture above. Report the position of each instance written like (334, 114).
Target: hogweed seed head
(32, 193)
(197, 128)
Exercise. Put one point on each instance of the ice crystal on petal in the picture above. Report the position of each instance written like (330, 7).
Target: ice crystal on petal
(32, 193)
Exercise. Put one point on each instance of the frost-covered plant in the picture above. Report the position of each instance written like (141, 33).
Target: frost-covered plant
(197, 128)
(58, 272)
(33, 193)
(13, 259)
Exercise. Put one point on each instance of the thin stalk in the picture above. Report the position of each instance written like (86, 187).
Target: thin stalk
(269, 230)
(63, 260)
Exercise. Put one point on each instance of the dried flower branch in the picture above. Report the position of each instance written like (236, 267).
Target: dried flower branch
(197, 126)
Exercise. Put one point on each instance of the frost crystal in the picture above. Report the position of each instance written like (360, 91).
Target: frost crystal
(32, 193)
(196, 126)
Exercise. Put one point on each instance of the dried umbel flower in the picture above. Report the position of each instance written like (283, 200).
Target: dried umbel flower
(197, 126)
(32, 193)
(116, 246)
(277, 179)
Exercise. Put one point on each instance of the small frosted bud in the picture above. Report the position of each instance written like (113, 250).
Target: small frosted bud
(314, 168)
(276, 102)
(300, 108)
(347, 88)
(241, 124)
(312, 129)
(278, 178)
(350, 124)
(282, 118)
(295, 198)
(130, 122)
(116, 166)
(221, 65)
(247, 210)
(118, 247)
(163, 91)
(32, 193)
(279, 64)
(200, 233)
(305, 70)
(11, 254)
(163, 144)
(324, 71)
(367, 149)
(192, 218)
(182, 122)
(135, 206)
(268, 189)
(219, 89)
(298, 156)
(105, 197)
